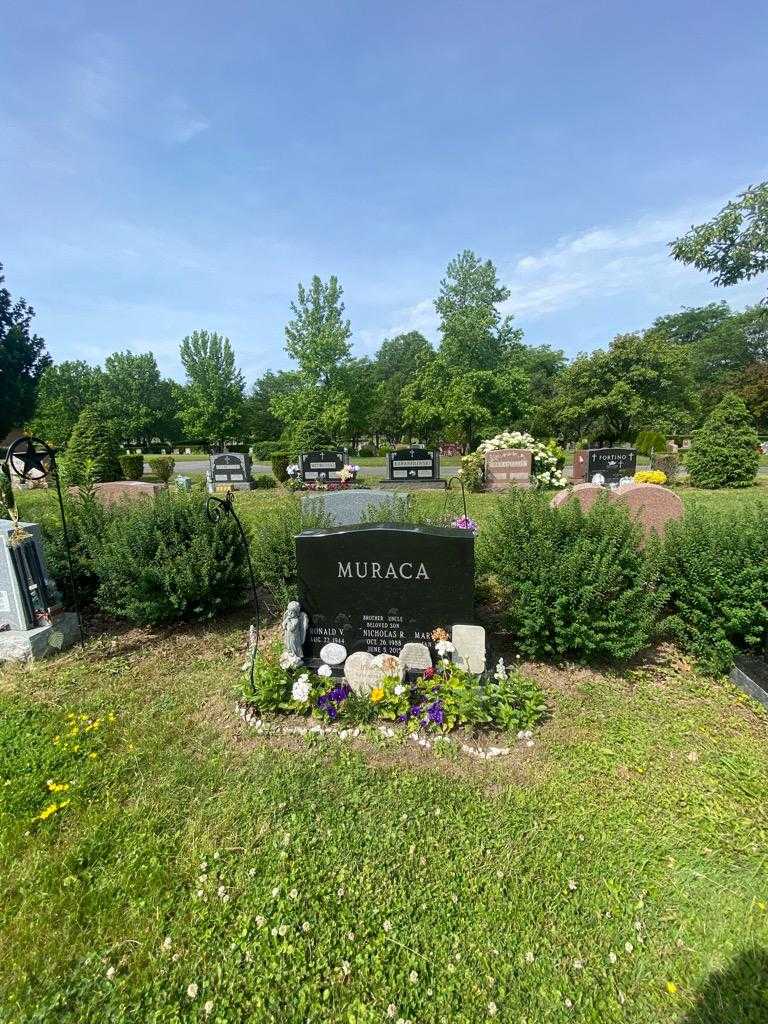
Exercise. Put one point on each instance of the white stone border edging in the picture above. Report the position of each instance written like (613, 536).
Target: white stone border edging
(262, 725)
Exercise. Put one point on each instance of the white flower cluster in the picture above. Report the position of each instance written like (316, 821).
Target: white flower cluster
(444, 647)
(544, 462)
(301, 688)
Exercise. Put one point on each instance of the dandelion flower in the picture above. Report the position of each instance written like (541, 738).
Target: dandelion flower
(377, 694)
(671, 987)
(192, 990)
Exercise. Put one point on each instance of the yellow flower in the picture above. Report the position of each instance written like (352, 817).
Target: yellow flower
(57, 787)
(377, 694)
(671, 987)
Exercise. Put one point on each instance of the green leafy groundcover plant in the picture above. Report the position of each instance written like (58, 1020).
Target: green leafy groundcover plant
(570, 584)
(725, 451)
(162, 559)
(441, 699)
(716, 567)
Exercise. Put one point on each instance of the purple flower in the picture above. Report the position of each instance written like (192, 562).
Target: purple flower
(465, 523)
(329, 702)
(436, 713)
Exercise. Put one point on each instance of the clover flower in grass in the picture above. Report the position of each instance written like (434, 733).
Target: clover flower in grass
(192, 990)
(492, 1009)
(208, 1008)
(110, 973)
(413, 977)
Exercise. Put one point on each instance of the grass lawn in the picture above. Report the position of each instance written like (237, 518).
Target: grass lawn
(615, 871)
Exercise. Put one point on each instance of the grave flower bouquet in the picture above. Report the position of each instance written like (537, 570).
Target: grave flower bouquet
(547, 459)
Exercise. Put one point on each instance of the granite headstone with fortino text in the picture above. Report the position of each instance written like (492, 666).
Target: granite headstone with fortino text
(611, 463)
(377, 587)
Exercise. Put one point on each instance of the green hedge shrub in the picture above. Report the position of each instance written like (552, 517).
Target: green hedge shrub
(280, 463)
(263, 450)
(717, 570)
(132, 466)
(569, 584)
(273, 544)
(94, 443)
(264, 482)
(648, 441)
(724, 452)
(161, 559)
(162, 466)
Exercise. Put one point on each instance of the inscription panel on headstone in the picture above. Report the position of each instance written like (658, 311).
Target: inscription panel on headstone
(230, 468)
(413, 464)
(322, 465)
(508, 467)
(377, 587)
(611, 463)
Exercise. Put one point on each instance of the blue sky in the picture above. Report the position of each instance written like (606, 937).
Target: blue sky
(169, 166)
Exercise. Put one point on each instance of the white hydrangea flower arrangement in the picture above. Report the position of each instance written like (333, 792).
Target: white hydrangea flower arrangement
(545, 472)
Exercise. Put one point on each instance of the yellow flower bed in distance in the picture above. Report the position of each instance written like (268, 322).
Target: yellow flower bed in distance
(650, 476)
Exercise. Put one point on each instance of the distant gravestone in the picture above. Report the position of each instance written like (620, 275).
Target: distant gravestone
(375, 588)
(345, 508)
(112, 491)
(510, 467)
(413, 465)
(230, 470)
(579, 474)
(321, 466)
(611, 463)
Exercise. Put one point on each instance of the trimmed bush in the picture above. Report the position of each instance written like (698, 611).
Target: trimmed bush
(717, 569)
(264, 482)
(366, 453)
(273, 544)
(132, 466)
(161, 559)
(280, 463)
(162, 466)
(93, 450)
(569, 584)
(724, 452)
(650, 441)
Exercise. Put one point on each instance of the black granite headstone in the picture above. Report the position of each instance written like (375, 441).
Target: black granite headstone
(612, 463)
(321, 465)
(413, 464)
(376, 587)
(232, 468)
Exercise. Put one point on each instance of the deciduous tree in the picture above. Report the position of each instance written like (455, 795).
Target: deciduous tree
(22, 360)
(213, 396)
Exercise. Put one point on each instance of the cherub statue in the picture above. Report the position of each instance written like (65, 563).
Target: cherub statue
(295, 623)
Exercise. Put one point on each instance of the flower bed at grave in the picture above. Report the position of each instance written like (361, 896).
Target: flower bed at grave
(347, 479)
(440, 699)
(547, 459)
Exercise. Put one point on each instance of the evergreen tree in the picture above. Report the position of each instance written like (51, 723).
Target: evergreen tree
(724, 452)
(22, 359)
(93, 450)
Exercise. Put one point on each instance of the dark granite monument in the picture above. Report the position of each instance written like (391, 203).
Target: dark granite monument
(230, 469)
(377, 587)
(413, 465)
(611, 463)
(322, 465)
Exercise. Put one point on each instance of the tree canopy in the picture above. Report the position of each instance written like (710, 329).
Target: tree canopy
(213, 396)
(23, 359)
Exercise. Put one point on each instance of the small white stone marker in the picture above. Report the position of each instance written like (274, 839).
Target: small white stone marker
(333, 654)
(469, 642)
(361, 673)
(415, 657)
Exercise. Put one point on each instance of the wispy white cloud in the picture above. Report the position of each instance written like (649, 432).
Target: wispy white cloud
(180, 122)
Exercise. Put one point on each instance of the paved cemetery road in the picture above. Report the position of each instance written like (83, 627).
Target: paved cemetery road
(201, 465)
